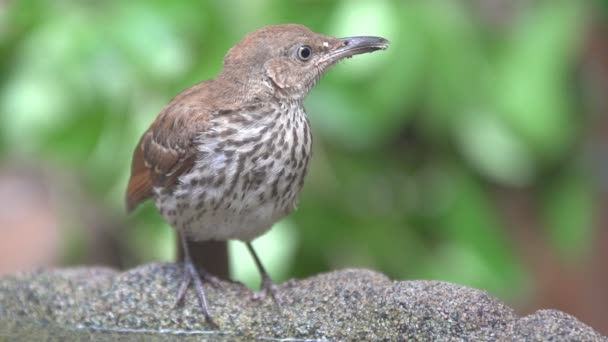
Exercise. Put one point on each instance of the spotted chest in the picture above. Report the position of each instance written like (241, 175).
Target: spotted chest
(249, 171)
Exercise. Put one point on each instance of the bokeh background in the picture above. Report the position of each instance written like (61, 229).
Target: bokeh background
(474, 150)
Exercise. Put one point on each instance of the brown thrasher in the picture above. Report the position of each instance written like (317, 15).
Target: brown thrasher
(227, 158)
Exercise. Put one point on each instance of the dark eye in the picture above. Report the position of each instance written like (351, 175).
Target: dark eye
(304, 52)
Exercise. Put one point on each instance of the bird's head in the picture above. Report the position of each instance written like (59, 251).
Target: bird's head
(287, 60)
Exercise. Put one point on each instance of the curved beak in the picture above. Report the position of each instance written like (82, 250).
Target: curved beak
(351, 46)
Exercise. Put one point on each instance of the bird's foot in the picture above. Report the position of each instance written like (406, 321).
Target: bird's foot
(210, 278)
(268, 288)
(191, 274)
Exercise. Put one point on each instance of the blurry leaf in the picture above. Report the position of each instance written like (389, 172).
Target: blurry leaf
(76, 138)
(110, 158)
(362, 102)
(364, 18)
(472, 225)
(3, 146)
(455, 65)
(350, 218)
(533, 89)
(151, 238)
(45, 86)
(276, 249)
(316, 14)
(568, 208)
(161, 58)
(457, 262)
(37, 105)
(494, 150)
(74, 243)
(342, 119)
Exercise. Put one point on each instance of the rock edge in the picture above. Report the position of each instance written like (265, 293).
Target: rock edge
(342, 305)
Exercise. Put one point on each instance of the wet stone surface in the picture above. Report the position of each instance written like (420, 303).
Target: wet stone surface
(103, 304)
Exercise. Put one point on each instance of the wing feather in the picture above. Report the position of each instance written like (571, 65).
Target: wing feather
(164, 153)
(167, 149)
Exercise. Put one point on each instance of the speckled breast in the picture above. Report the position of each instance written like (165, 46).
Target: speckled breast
(250, 170)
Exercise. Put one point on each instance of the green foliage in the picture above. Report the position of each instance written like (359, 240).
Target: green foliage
(569, 214)
(406, 141)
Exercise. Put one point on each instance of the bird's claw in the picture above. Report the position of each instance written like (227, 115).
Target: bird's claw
(190, 274)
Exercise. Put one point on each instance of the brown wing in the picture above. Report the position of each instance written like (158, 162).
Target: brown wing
(141, 183)
(166, 150)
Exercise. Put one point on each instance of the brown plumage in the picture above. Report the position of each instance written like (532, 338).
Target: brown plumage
(227, 158)
(166, 150)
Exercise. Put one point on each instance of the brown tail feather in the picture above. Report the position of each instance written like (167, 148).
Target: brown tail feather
(140, 184)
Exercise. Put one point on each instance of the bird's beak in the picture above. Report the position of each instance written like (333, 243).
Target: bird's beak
(351, 46)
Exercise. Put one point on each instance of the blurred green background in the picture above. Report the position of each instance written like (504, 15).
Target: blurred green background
(472, 150)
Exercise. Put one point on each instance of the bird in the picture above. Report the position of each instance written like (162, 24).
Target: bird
(227, 158)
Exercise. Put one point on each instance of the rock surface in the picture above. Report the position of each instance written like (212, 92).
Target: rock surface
(103, 304)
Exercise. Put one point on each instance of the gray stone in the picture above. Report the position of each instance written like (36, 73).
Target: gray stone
(102, 304)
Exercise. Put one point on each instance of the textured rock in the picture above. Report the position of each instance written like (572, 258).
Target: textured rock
(102, 304)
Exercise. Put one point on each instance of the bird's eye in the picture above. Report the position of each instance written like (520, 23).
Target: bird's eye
(304, 52)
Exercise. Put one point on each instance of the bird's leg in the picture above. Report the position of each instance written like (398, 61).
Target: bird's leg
(268, 286)
(191, 274)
